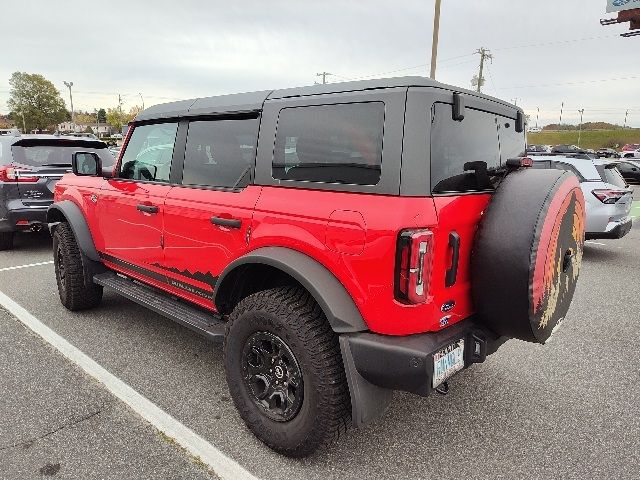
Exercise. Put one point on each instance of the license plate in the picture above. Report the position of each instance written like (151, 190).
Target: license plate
(448, 361)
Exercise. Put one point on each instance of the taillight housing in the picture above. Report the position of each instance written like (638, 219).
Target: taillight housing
(609, 196)
(414, 258)
(11, 174)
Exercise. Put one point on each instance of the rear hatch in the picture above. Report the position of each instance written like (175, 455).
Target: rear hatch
(39, 163)
(611, 176)
(467, 158)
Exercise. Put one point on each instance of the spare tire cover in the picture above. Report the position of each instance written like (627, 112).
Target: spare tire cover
(527, 253)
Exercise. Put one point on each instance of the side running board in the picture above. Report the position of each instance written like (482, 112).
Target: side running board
(205, 323)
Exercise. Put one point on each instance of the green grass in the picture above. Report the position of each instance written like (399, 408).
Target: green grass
(590, 138)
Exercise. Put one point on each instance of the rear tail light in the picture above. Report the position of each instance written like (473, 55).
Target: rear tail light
(413, 266)
(10, 174)
(609, 196)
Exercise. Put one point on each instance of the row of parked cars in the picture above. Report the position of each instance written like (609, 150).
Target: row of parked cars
(340, 242)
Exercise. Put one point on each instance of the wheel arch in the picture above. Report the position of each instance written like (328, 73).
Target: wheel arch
(324, 287)
(68, 211)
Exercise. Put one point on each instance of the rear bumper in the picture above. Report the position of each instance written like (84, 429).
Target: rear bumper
(406, 363)
(618, 231)
(29, 217)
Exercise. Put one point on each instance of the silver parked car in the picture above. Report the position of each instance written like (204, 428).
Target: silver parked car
(607, 196)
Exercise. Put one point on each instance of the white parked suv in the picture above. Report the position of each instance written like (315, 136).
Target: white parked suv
(608, 198)
(630, 154)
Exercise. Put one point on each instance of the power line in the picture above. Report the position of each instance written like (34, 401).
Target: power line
(544, 85)
(557, 42)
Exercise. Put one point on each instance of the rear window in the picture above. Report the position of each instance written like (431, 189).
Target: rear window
(55, 156)
(481, 137)
(330, 144)
(610, 174)
(453, 144)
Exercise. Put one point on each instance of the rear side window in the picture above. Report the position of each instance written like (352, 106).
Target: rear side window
(220, 153)
(149, 152)
(610, 174)
(330, 144)
(453, 144)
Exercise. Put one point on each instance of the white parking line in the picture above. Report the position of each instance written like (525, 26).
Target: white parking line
(193, 443)
(595, 243)
(5, 269)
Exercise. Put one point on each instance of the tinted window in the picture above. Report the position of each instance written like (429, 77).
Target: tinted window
(512, 143)
(220, 153)
(611, 175)
(475, 139)
(55, 156)
(330, 144)
(149, 152)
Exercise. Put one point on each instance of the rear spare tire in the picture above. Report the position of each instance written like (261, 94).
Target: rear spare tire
(527, 254)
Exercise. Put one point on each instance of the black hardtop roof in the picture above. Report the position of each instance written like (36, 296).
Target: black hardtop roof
(253, 101)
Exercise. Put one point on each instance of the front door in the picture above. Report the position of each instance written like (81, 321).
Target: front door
(130, 206)
(207, 217)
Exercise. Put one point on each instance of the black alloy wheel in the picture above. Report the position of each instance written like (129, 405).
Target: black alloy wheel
(273, 376)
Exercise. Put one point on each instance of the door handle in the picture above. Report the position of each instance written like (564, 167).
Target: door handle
(452, 273)
(226, 222)
(147, 208)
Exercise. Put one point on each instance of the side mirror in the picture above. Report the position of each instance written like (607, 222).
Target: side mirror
(86, 164)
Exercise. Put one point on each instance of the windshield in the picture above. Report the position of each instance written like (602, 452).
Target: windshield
(55, 156)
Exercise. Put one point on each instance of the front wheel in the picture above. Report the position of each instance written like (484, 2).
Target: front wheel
(284, 370)
(76, 293)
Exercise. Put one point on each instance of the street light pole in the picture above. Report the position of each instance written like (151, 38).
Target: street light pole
(537, 117)
(436, 36)
(142, 100)
(626, 116)
(73, 122)
(581, 112)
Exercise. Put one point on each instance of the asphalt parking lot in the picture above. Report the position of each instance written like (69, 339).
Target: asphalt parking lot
(565, 410)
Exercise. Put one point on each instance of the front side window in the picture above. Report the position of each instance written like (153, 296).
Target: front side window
(330, 144)
(471, 143)
(220, 153)
(149, 152)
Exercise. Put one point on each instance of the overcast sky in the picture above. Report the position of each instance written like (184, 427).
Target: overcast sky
(545, 51)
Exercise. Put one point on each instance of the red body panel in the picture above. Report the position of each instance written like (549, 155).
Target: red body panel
(353, 235)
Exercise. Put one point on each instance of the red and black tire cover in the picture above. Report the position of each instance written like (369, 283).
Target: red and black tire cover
(527, 253)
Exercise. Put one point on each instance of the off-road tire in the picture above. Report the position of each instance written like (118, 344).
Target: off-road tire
(6, 240)
(75, 292)
(291, 314)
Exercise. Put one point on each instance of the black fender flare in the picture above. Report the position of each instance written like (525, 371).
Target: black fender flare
(73, 215)
(326, 289)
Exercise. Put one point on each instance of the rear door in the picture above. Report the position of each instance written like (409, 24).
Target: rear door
(207, 217)
(483, 140)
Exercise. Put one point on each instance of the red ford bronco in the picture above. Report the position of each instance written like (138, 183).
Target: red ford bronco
(343, 240)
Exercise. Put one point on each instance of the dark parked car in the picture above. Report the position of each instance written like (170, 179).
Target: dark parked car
(567, 149)
(537, 149)
(30, 166)
(630, 171)
(607, 153)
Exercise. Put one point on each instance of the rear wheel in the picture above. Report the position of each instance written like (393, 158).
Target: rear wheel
(285, 371)
(6, 240)
(76, 293)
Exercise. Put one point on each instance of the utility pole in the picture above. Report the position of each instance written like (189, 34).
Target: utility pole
(515, 101)
(537, 117)
(626, 115)
(561, 110)
(95, 110)
(324, 76)
(484, 55)
(581, 112)
(436, 37)
(142, 100)
(120, 103)
(73, 121)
